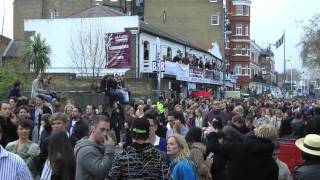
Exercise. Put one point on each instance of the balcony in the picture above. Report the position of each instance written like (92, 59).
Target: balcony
(193, 74)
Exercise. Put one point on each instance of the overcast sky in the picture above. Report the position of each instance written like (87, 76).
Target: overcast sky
(269, 19)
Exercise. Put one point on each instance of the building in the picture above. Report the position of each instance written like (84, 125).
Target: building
(237, 49)
(257, 83)
(200, 21)
(182, 71)
(4, 42)
(268, 70)
(43, 9)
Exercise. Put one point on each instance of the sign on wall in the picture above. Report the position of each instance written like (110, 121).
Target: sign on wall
(118, 50)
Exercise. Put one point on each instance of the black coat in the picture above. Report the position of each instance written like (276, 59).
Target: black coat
(250, 160)
(285, 127)
(80, 130)
(310, 170)
(313, 126)
(3, 124)
(214, 114)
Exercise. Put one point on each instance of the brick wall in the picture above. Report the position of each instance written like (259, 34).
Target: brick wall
(38, 9)
(191, 18)
(24, 9)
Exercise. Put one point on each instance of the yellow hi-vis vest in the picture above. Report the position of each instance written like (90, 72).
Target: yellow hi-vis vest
(160, 107)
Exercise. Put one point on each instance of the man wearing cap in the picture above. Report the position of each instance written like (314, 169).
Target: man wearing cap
(310, 152)
(140, 160)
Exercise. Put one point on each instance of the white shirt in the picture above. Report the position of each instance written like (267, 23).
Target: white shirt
(12, 167)
(198, 122)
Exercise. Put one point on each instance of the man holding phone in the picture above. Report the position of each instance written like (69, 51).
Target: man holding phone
(94, 155)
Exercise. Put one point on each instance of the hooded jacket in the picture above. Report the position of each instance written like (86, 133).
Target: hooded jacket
(93, 160)
(139, 161)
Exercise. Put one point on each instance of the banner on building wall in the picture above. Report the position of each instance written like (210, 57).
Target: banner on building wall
(118, 49)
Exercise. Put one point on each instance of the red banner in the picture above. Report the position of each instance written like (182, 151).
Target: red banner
(118, 50)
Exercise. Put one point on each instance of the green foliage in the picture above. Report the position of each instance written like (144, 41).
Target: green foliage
(8, 77)
(37, 54)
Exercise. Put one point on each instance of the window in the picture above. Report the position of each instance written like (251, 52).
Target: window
(227, 45)
(238, 48)
(244, 71)
(146, 47)
(239, 10)
(169, 53)
(246, 10)
(214, 20)
(238, 29)
(54, 14)
(245, 49)
(246, 30)
(237, 70)
(252, 57)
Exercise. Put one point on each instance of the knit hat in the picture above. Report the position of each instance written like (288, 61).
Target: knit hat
(140, 128)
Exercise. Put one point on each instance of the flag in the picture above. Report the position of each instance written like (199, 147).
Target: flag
(280, 41)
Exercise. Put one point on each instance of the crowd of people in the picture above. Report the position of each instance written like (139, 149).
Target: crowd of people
(192, 138)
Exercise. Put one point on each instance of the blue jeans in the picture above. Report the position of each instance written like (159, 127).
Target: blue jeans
(46, 97)
(119, 95)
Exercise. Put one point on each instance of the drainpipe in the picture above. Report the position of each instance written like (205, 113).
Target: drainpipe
(138, 53)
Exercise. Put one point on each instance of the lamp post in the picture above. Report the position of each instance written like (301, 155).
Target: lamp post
(290, 62)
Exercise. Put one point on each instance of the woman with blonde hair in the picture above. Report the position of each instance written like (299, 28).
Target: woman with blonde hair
(182, 166)
(239, 110)
(198, 120)
(68, 109)
(276, 120)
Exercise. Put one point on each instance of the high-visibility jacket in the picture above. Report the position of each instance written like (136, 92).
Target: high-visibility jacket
(160, 107)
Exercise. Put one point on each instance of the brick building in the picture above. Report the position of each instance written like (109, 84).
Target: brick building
(268, 69)
(43, 9)
(237, 49)
(197, 20)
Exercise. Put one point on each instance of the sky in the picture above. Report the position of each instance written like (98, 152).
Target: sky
(6, 11)
(269, 20)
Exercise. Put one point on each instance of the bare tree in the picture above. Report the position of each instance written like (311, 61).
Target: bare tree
(310, 43)
(87, 50)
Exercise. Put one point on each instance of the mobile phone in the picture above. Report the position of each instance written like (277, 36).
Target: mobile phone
(210, 156)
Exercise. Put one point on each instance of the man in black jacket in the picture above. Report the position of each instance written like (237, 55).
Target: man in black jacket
(313, 126)
(77, 127)
(215, 113)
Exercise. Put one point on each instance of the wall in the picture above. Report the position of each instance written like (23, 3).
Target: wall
(61, 33)
(38, 9)
(24, 9)
(190, 18)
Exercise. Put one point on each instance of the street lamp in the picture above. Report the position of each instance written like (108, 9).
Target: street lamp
(290, 62)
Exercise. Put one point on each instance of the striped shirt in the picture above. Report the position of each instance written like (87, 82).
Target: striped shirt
(12, 167)
(46, 172)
